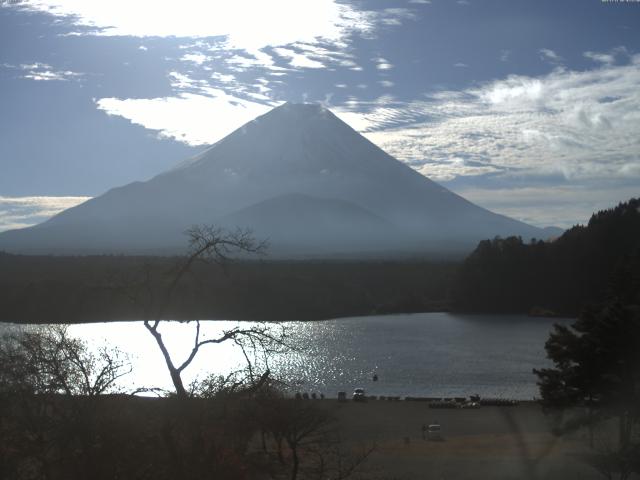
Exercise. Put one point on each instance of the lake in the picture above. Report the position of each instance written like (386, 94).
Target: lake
(426, 354)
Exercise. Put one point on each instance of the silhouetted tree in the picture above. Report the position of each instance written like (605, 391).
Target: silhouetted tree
(212, 245)
(47, 360)
(306, 438)
(596, 376)
(49, 388)
(597, 364)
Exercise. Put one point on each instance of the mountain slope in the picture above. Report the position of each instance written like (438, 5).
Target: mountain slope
(320, 225)
(295, 148)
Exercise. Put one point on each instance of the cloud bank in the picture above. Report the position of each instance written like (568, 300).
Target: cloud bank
(21, 212)
(576, 125)
(245, 24)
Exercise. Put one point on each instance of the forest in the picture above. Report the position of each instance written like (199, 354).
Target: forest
(502, 275)
(49, 289)
(560, 277)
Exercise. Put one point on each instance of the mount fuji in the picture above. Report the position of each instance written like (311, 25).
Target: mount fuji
(297, 176)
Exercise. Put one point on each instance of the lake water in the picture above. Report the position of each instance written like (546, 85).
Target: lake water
(428, 354)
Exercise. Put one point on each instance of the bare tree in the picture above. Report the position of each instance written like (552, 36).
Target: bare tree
(49, 388)
(48, 360)
(211, 245)
(307, 439)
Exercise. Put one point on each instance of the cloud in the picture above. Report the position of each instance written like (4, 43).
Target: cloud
(553, 205)
(550, 56)
(42, 72)
(21, 212)
(420, 2)
(460, 65)
(324, 53)
(297, 59)
(607, 58)
(255, 59)
(570, 125)
(386, 83)
(223, 78)
(504, 55)
(393, 16)
(198, 58)
(382, 63)
(192, 118)
(246, 24)
(227, 36)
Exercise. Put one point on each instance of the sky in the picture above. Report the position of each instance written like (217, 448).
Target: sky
(528, 108)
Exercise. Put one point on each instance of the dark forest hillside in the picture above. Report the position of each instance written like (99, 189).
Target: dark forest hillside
(558, 277)
(43, 289)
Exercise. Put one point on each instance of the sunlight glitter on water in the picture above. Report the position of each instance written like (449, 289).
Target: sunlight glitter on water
(430, 354)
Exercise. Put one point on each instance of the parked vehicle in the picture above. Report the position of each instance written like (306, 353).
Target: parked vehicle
(358, 395)
(434, 432)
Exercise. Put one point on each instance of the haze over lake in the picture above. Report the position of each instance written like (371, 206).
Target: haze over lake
(426, 354)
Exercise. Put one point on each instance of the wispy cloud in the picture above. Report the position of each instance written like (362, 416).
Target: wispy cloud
(198, 58)
(298, 60)
(237, 35)
(393, 16)
(574, 125)
(550, 56)
(382, 63)
(551, 205)
(20, 212)
(609, 57)
(42, 72)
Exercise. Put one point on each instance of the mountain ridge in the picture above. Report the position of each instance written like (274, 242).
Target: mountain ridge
(294, 148)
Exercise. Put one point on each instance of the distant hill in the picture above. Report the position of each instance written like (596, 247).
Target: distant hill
(86, 288)
(582, 266)
(328, 189)
(322, 224)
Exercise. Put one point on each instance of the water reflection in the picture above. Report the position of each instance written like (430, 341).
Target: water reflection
(431, 354)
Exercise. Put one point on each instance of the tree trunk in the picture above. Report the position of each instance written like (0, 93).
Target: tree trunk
(181, 392)
(296, 462)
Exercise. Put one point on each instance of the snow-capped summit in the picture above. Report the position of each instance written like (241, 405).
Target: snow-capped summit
(297, 175)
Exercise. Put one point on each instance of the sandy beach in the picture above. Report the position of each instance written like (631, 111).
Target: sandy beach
(490, 442)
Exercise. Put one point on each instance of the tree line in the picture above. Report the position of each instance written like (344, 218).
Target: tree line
(50, 289)
(558, 277)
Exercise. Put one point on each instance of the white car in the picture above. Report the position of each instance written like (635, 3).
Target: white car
(434, 432)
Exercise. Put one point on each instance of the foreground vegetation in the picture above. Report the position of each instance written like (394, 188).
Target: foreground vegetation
(61, 418)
